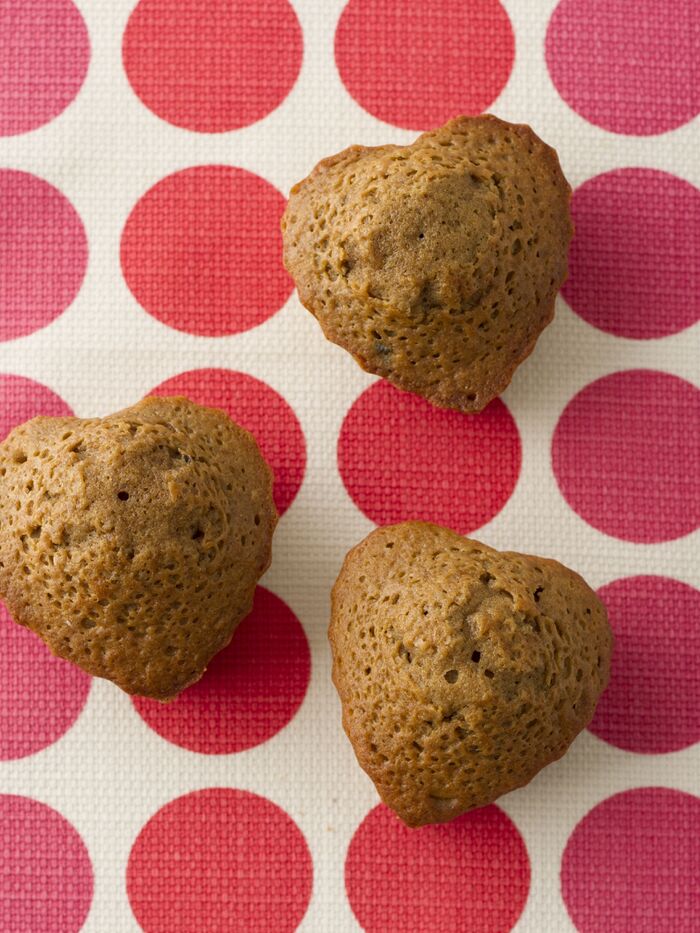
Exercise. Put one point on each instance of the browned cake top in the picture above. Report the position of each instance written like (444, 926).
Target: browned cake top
(462, 671)
(436, 265)
(132, 544)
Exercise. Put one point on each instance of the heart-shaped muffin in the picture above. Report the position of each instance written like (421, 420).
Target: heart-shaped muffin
(462, 671)
(132, 544)
(435, 265)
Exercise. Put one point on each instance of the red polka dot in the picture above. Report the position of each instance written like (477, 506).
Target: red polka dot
(470, 874)
(46, 879)
(634, 264)
(212, 65)
(250, 691)
(44, 57)
(625, 452)
(632, 864)
(22, 399)
(40, 696)
(626, 65)
(401, 458)
(258, 408)
(219, 859)
(656, 622)
(202, 251)
(43, 253)
(416, 64)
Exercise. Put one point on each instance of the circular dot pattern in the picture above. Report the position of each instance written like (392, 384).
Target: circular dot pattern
(632, 864)
(651, 704)
(626, 65)
(634, 264)
(202, 251)
(44, 58)
(255, 406)
(470, 874)
(41, 696)
(46, 880)
(212, 65)
(22, 399)
(401, 458)
(43, 253)
(250, 691)
(623, 451)
(219, 859)
(417, 64)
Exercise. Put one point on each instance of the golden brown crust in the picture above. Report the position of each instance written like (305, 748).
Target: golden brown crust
(435, 265)
(462, 671)
(132, 544)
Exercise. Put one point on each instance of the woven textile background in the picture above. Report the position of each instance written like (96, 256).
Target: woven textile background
(146, 150)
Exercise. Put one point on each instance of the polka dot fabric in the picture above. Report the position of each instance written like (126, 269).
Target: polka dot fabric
(656, 622)
(202, 251)
(219, 859)
(43, 253)
(43, 61)
(635, 260)
(46, 882)
(478, 868)
(381, 50)
(212, 65)
(636, 432)
(146, 151)
(632, 863)
(402, 459)
(625, 65)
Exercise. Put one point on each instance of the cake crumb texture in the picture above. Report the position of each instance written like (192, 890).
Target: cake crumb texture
(435, 265)
(132, 544)
(462, 670)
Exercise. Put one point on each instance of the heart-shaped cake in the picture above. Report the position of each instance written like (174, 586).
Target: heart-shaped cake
(462, 671)
(435, 265)
(132, 544)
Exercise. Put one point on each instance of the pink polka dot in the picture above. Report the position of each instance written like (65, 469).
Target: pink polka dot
(401, 458)
(43, 253)
(258, 408)
(250, 691)
(202, 251)
(634, 264)
(625, 455)
(212, 65)
(46, 879)
(416, 64)
(651, 704)
(44, 57)
(626, 65)
(22, 399)
(219, 859)
(632, 862)
(40, 696)
(470, 874)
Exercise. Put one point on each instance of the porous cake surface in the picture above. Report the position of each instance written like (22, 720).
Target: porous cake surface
(462, 670)
(435, 265)
(132, 544)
